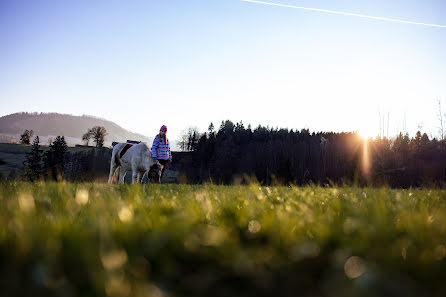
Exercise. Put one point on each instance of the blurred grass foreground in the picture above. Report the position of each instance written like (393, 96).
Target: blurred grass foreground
(62, 239)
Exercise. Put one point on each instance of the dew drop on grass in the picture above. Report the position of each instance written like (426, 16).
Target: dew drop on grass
(354, 267)
(114, 259)
(430, 219)
(260, 197)
(404, 253)
(82, 196)
(254, 226)
(125, 214)
(26, 202)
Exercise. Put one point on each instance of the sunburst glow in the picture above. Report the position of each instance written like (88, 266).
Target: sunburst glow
(367, 132)
(366, 159)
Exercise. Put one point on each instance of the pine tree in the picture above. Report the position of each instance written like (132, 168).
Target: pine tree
(33, 165)
(401, 143)
(415, 143)
(54, 158)
(424, 140)
(211, 128)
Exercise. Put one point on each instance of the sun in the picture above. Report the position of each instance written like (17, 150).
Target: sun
(367, 132)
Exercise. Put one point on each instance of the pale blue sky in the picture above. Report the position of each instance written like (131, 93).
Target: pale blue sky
(183, 63)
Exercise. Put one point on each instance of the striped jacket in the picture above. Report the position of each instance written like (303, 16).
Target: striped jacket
(161, 150)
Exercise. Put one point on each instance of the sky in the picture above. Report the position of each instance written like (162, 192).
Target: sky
(186, 64)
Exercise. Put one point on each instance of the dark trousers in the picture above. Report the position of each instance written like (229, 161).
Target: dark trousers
(165, 164)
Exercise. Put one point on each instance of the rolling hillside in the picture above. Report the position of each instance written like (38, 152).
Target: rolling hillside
(49, 125)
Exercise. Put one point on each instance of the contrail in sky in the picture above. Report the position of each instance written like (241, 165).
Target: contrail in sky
(345, 13)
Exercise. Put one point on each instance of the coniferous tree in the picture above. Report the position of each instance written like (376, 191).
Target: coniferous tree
(54, 158)
(33, 162)
(211, 130)
(424, 140)
(415, 143)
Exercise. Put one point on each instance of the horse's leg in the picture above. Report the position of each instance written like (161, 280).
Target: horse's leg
(143, 175)
(113, 168)
(134, 177)
(121, 175)
(135, 172)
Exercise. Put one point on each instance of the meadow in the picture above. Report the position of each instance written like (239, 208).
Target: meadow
(91, 239)
(13, 155)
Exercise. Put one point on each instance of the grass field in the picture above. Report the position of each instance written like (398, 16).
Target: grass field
(62, 239)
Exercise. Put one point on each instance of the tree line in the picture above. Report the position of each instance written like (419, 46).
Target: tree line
(97, 133)
(48, 164)
(234, 153)
(56, 163)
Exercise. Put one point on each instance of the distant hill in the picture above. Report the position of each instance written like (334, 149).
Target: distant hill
(50, 125)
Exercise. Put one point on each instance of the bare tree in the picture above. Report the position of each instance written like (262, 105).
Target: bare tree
(440, 119)
(189, 139)
(26, 136)
(98, 133)
(87, 136)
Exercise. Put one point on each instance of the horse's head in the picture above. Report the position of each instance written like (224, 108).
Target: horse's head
(154, 174)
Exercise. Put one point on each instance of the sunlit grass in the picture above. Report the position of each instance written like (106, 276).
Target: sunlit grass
(153, 240)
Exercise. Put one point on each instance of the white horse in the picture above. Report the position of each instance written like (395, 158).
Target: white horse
(136, 158)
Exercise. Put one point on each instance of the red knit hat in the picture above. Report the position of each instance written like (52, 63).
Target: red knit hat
(163, 128)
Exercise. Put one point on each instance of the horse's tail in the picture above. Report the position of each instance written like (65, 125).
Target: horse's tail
(117, 160)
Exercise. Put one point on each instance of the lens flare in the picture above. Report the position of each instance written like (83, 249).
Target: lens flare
(365, 162)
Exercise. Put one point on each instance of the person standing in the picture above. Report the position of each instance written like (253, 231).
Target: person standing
(161, 150)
